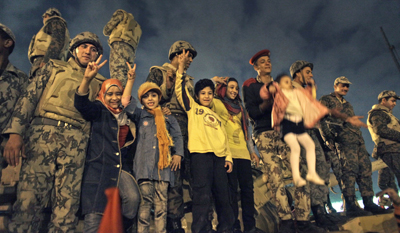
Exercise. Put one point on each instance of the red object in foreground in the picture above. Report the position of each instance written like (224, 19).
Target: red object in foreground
(112, 218)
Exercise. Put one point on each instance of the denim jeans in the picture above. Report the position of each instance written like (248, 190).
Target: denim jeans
(153, 192)
(130, 199)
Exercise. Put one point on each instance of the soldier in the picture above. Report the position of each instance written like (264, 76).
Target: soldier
(56, 138)
(164, 77)
(272, 148)
(302, 74)
(384, 128)
(13, 82)
(124, 35)
(51, 42)
(354, 158)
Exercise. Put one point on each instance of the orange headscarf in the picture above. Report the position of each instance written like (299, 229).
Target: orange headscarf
(104, 88)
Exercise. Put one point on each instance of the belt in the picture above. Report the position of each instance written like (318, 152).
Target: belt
(48, 121)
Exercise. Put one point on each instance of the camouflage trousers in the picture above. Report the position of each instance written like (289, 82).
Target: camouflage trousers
(273, 152)
(175, 193)
(356, 167)
(386, 179)
(393, 162)
(120, 53)
(50, 174)
(333, 159)
(319, 193)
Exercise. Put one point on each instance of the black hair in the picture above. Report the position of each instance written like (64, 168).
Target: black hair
(203, 83)
(386, 98)
(280, 76)
(5, 36)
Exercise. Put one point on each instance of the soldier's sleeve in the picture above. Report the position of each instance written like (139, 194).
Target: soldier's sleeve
(57, 29)
(156, 76)
(26, 104)
(176, 134)
(380, 120)
(114, 21)
(324, 126)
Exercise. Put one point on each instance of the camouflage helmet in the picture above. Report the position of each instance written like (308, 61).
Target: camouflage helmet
(51, 12)
(86, 37)
(8, 31)
(179, 46)
(299, 65)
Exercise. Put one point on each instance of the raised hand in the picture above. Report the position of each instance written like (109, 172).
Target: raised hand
(93, 68)
(183, 59)
(131, 71)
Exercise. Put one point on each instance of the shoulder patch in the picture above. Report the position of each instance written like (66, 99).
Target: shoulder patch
(248, 82)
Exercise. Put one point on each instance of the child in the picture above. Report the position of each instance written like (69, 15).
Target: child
(107, 157)
(159, 136)
(294, 109)
(210, 155)
(235, 120)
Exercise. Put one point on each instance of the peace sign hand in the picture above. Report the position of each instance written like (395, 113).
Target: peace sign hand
(93, 68)
(131, 72)
(183, 59)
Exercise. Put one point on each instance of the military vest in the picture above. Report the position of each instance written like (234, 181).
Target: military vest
(173, 103)
(128, 31)
(57, 101)
(394, 124)
(41, 41)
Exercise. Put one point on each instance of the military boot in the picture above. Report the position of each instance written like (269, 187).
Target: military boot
(353, 210)
(307, 227)
(174, 226)
(322, 218)
(287, 226)
(370, 206)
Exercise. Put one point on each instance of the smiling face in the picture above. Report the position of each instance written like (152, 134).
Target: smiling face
(390, 103)
(113, 97)
(205, 96)
(263, 65)
(85, 53)
(286, 82)
(150, 100)
(232, 90)
(306, 74)
(341, 89)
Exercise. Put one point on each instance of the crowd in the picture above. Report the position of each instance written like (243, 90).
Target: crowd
(79, 133)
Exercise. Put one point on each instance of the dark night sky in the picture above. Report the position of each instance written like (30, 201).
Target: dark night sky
(341, 38)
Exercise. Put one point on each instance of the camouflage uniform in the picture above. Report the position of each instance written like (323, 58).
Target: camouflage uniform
(386, 179)
(51, 42)
(385, 131)
(168, 99)
(318, 193)
(55, 147)
(124, 35)
(273, 151)
(354, 158)
(13, 83)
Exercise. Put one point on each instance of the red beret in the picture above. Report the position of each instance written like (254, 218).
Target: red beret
(264, 52)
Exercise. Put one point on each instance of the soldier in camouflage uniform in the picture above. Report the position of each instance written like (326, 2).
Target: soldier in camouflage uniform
(164, 77)
(301, 72)
(124, 35)
(384, 128)
(13, 83)
(56, 138)
(354, 158)
(272, 149)
(51, 42)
